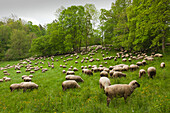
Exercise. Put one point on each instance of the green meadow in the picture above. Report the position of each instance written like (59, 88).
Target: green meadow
(153, 95)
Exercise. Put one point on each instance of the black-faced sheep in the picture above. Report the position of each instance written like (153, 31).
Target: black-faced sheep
(104, 82)
(141, 73)
(104, 74)
(88, 72)
(70, 73)
(162, 65)
(120, 90)
(74, 77)
(15, 86)
(151, 72)
(69, 84)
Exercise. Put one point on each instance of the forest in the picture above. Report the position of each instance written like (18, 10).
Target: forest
(134, 25)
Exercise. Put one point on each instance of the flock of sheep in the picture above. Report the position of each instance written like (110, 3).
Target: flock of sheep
(111, 91)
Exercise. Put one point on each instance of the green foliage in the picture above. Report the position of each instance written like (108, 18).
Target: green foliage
(19, 46)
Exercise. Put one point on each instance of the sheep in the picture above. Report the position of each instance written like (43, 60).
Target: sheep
(70, 84)
(28, 85)
(141, 73)
(133, 67)
(104, 73)
(27, 79)
(74, 77)
(15, 86)
(104, 82)
(144, 62)
(120, 90)
(139, 63)
(70, 73)
(31, 76)
(75, 69)
(119, 74)
(151, 72)
(64, 71)
(95, 69)
(162, 65)
(7, 79)
(1, 80)
(88, 72)
(126, 67)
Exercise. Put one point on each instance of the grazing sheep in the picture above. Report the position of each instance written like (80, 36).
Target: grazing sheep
(64, 71)
(144, 62)
(1, 80)
(95, 69)
(75, 69)
(15, 86)
(104, 82)
(70, 84)
(141, 73)
(88, 72)
(129, 59)
(120, 90)
(7, 79)
(24, 76)
(28, 85)
(104, 74)
(126, 67)
(27, 79)
(74, 77)
(162, 65)
(139, 63)
(124, 60)
(70, 73)
(151, 72)
(133, 67)
(31, 76)
(119, 74)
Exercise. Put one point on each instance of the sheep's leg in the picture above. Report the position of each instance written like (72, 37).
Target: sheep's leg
(125, 98)
(24, 90)
(108, 101)
(100, 86)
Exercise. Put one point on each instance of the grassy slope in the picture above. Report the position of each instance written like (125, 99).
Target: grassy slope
(152, 96)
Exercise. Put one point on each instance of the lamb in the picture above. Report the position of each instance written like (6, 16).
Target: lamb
(74, 77)
(104, 82)
(151, 72)
(15, 86)
(104, 73)
(70, 84)
(162, 65)
(28, 85)
(120, 90)
(141, 73)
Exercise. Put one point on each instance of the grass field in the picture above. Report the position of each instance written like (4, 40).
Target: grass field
(152, 97)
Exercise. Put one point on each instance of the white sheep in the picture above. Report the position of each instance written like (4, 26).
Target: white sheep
(120, 90)
(74, 77)
(104, 82)
(15, 86)
(141, 73)
(162, 65)
(27, 79)
(151, 72)
(70, 73)
(70, 84)
(1, 80)
(28, 85)
(104, 73)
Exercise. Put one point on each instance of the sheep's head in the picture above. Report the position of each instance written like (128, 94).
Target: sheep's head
(134, 84)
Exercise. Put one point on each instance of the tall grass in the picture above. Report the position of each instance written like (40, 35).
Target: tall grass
(152, 97)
